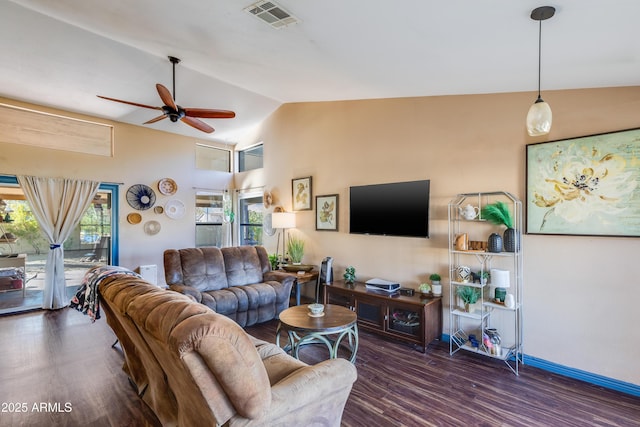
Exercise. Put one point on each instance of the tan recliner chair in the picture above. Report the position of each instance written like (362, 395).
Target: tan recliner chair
(212, 371)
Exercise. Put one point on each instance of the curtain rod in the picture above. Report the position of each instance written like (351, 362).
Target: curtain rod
(207, 189)
(250, 188)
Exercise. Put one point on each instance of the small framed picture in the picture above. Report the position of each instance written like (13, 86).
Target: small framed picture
(301, 194)
(327, 212)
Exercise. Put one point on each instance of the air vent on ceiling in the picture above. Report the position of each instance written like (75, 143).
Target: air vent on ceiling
(271, 13)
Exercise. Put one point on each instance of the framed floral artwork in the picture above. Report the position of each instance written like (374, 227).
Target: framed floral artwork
(301, 194)
(327, 212)
(585, 186)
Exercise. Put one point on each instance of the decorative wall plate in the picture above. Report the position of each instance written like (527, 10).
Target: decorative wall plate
(267, 227)
(174, 209)
(134, 218)
(141, 197)
(267, 199)
(167, 186)
(158, 210)
(151, 227)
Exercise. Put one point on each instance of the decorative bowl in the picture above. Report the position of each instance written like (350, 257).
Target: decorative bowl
(316, 309)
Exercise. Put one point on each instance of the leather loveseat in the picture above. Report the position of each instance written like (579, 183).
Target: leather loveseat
(195, 367)
(235, 281)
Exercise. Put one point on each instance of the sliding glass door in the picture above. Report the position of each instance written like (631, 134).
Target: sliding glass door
(93, 242)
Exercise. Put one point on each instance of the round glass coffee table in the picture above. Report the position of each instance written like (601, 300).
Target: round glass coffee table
(331, 328)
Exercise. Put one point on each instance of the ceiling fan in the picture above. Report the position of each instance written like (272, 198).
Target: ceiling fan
(175, 112)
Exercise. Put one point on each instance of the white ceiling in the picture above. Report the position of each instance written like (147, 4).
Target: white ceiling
(62, 53)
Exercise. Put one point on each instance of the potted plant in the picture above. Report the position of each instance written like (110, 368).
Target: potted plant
(295, 247)
(469, 295)
(498, 213)
(273, 261)
(436, 287)
(424, 289)
(349, 274)
(484, 277)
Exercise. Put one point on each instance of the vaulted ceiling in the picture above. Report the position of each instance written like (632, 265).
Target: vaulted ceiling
(63, 53)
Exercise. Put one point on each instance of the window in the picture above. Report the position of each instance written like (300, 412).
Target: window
(250, 158)
(209, 217)
(212, 158)
(250, 219)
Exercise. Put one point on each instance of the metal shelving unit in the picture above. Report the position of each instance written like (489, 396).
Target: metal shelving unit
(487, 313)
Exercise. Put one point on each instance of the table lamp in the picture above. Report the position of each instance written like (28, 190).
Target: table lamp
(500, 281)
(282, 221)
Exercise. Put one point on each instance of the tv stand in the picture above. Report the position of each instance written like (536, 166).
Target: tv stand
(412, 319)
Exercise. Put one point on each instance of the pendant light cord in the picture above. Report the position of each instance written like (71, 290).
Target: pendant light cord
(539, 54)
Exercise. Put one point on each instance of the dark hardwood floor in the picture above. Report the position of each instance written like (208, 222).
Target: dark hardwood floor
(64, 371)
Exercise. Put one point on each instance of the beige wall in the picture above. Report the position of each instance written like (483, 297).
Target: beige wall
(580, 309)
(579, 292)
(142, 156)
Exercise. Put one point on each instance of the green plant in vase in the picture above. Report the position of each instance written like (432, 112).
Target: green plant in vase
(498, 213)
(349, 275)
(424, 288)
(273, 261)
(295, 247)
(436, 287)
(469, 295)
(484, 277)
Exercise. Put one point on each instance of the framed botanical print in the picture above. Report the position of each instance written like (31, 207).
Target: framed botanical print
(327, 212)
(301, 194)
(585, 186)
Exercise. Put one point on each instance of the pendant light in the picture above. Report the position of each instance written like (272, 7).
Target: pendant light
(539, 117)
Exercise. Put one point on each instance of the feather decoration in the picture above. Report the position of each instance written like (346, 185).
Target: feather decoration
(498, 213)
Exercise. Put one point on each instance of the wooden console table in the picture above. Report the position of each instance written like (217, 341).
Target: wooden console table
(412, 319)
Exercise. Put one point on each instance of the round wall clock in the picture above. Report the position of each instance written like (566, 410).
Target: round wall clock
(141, 197)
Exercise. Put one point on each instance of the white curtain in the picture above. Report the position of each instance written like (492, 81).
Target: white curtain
(227, 219)
(57, 204)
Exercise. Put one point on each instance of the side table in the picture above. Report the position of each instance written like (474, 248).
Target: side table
(301, 279)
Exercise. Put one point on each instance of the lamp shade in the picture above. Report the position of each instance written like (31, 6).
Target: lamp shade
(539, 118)
(500, 278)
(283, 220)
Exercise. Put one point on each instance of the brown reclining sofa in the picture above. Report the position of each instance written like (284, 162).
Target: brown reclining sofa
(235, 281)
(195, 367)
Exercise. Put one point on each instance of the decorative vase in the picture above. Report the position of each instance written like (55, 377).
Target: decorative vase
(495, 243)
(463, 273)
(511, 240)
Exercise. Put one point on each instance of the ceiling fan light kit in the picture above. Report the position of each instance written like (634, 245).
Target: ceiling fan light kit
(189, 116)
(539, 117)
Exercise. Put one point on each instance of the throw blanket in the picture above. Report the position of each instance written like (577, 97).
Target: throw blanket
(86, 299)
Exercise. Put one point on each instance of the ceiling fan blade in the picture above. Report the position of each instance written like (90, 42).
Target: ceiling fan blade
(157, 119)
(166, 97)
(198, 124)
(209, 114)
(130, 103)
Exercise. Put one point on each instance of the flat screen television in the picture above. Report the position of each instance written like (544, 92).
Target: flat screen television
(393, 209)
